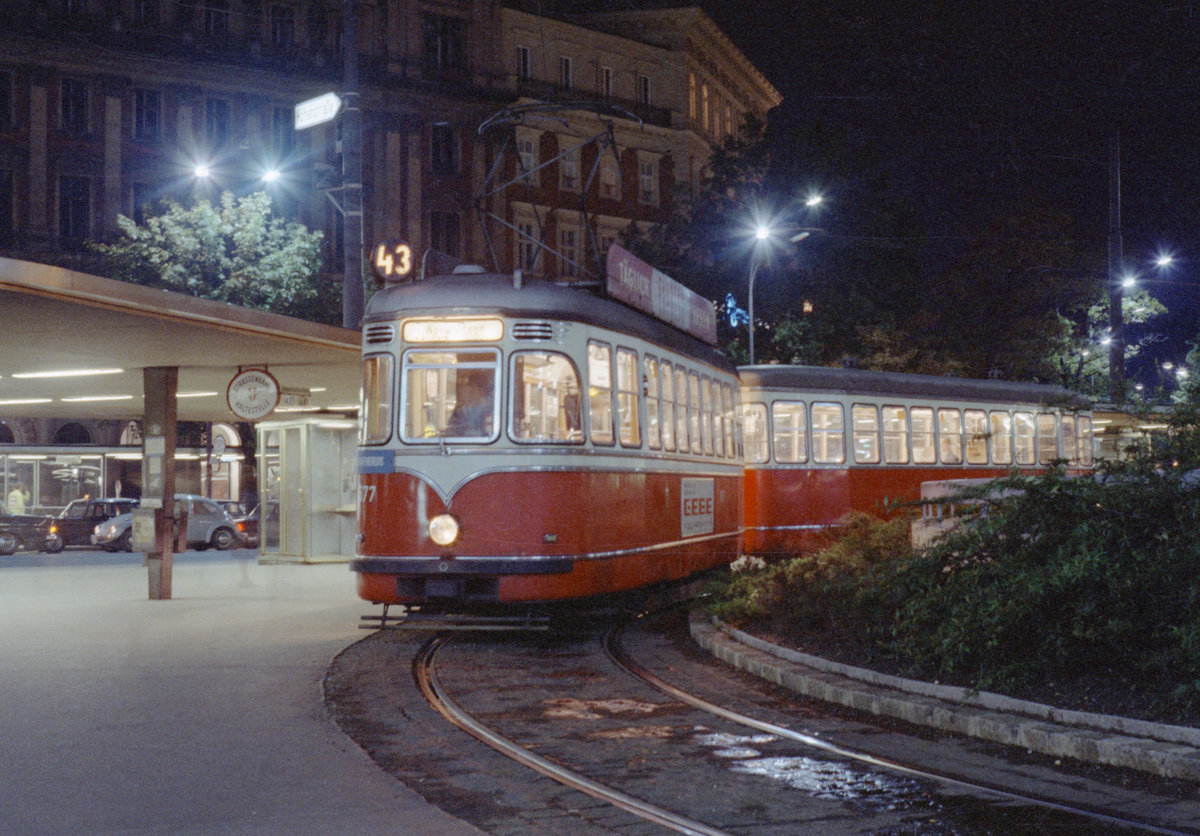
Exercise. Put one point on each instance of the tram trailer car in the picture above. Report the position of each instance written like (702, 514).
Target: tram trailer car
(537, 443)
(821, 442)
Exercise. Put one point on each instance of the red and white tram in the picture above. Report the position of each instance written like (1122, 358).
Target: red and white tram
(538, 443)
(820, 442)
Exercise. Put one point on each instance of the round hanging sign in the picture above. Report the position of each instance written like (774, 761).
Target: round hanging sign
(253, 394)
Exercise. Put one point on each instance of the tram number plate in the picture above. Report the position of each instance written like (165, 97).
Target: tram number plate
(696, 507)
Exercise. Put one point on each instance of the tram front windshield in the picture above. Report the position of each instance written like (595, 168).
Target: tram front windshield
(450, 394)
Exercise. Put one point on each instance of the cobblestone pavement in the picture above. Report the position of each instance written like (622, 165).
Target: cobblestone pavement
(563, 698)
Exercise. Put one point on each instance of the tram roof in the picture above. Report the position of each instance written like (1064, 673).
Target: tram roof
(862, 382)
(472, 294)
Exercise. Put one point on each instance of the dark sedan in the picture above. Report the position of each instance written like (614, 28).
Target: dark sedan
(21, 531)
(74, 526)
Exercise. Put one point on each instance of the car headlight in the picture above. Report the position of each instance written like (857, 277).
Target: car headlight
(443, 529)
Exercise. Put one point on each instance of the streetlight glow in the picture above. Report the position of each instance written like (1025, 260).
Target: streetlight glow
(814, 199)
(271, 176)
(762, 233)
(202, 171)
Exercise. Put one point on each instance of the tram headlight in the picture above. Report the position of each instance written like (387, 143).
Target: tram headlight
(443, 529)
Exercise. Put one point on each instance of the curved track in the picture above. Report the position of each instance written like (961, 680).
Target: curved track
(426, 675)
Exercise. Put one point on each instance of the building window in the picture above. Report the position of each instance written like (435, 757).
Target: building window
(147, 115)
(283, 131)
(606, 82)
(74, 207)
(145, 12)
(283, 26)
(568, 171)
(692, 96)
(74, 106)
(75, 8)
(6, 206)
(564, 72)
(443, 232)
(216, 123)
(705, 119)
(216, 18)
(445, 38)
(648, 182)
(610, 178)
(524, 67)
(6, 108)
(144, 196)
(568, 248)
(643, 89)
(443, 150)
(528, 158)
(527, 247)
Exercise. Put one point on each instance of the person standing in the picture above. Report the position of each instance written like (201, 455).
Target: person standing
(18, 498)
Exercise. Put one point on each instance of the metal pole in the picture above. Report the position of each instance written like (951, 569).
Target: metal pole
(352, 231)
(1116, 316)
(754, 262)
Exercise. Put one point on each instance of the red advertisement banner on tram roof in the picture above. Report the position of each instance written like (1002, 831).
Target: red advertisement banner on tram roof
(639, 285)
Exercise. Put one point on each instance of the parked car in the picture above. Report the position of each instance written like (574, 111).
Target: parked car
(208, 525)
(74, 526)
(247, 525)
(21, 531)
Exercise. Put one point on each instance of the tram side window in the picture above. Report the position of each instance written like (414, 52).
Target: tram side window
(376, 424)
(895, 434)
(653, 428)
(706, 416)
(976, 427)
(1001, 437)
(1023, 437)
(791, 431)
(1047, 438)
(754, 423)
(668, 407)
(950, 436)
(1070, 451)
(600, 393)
(731, 433)
(1086, 457)
(924, 442)
(681, 409)
(627, 398)
(718, 420)
(694, 412)
(828, 433)
(450, 394)
(545, 396)
(866, 433)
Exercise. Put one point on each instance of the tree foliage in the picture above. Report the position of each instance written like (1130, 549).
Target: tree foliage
(232, 251)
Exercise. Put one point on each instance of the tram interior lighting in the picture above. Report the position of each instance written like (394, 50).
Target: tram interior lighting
(89, 398)
(67, 373)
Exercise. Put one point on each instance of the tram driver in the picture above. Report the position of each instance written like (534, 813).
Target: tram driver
(472, 414)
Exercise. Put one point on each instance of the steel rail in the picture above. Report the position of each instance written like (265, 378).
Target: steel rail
(617, 652)
(427, 680)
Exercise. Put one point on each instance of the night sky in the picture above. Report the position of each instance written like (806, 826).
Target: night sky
(973, 110)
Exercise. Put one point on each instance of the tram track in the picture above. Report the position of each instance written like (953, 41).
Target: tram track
(438, 695)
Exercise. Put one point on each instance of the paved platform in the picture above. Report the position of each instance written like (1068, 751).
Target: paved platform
(199, 715)
(1164, 750)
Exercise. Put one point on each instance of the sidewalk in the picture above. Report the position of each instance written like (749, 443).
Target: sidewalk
(200, 715)
(1167, 751)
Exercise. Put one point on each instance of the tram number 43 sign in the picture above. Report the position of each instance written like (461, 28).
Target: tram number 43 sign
(392, 261)
(696, 507)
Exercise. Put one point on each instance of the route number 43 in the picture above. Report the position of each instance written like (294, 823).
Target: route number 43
(392, 261)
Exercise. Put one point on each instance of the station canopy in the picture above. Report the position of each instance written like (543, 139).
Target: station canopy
(54, 321)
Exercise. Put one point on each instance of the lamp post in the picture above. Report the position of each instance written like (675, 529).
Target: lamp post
(761, 234)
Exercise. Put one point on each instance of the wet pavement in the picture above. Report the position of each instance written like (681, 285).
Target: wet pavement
(199, 715)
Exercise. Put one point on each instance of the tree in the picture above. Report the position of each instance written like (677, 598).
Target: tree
(232, 251)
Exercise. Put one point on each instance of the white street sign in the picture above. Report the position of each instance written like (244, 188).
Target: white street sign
(316, 111)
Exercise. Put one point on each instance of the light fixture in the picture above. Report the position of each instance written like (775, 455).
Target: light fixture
(20, 401)
(67, 373)
(90, 398)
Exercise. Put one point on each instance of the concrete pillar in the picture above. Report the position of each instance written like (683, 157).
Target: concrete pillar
(160, 385)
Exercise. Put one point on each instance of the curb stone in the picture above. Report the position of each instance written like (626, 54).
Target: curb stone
(1156, 748)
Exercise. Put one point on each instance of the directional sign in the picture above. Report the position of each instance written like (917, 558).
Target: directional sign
(317, 111)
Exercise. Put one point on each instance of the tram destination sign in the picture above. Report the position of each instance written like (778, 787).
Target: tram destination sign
(639, 285)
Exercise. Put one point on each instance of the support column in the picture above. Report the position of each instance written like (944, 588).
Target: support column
(160, 386)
